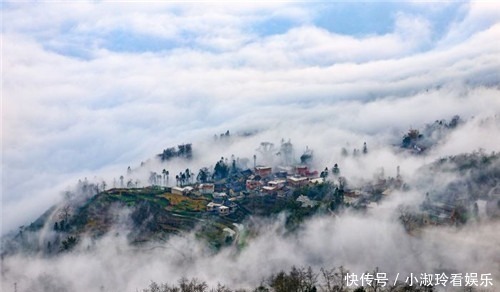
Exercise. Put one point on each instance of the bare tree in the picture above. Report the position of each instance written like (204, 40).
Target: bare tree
(334, 279)
(164, 172)
(194, 285)
(406, 217)
(65, 212)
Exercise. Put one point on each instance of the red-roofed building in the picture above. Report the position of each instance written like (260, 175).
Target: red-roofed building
(263, 171)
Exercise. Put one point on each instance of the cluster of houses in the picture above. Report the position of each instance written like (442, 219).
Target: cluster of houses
(222, 204)
(262, 180)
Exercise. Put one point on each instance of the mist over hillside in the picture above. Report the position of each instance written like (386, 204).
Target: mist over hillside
(94, 92)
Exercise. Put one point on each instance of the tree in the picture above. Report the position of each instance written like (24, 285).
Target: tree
(455, 121)
(188, 174)
(64, 212)
(62, 225)
(261, 288)
(281, 283)
(375, 285)
(221, 169)
(203, 175)
(336, 170)
(298, 279)
(307, 156)
(221, 288)
(121, 181)
(342, 182)
(334, 279)
(406, 217)
(68, 243)
(411, 138)
(152, 178)
(338, 198)
(164, 172)
(233, 166)
(344, 152)
(194, 285)
(324, 173)
(183, 178)
(310, 280)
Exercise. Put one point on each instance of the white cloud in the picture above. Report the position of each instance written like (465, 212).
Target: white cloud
(480, 16)
(65, 117)
(323, 242)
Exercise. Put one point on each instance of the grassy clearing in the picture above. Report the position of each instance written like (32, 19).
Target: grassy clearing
(183, 203)
(132, 196)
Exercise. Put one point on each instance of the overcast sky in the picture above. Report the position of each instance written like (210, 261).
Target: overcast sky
(92, 87)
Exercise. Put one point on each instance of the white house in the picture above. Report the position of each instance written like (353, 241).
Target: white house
(181, 190)
(223, 210)
(177, 191)
(318, 180)
(297, 181)
(213, 206)
(206, 189)
(220, 196)
(279, 183)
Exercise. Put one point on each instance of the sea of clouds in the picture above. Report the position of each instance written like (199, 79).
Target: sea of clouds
(90, 88)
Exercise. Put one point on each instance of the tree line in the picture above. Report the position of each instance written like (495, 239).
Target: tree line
(297, 279)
